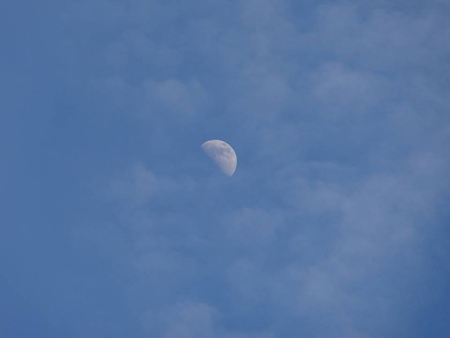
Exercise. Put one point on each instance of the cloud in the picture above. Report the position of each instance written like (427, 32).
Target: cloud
(187, 319)
(183, 320)
(175, 96)
(249, 335)
(333, 84)
(380, 38)
(331, 220)
(137, 187)
(151, 99)
(253, 229)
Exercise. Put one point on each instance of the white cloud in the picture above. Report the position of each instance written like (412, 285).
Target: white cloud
(342, 243)
(334, 84)
(251, 229)
(249, 335)
(183, 320)
(381, 39)
(174, 96)
(137, 187)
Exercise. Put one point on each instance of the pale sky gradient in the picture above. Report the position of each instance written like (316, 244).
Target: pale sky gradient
(115, 224)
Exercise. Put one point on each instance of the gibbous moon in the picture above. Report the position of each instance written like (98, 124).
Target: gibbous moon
(222, 155)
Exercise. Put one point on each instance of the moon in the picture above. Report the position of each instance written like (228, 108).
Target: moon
(222, 154)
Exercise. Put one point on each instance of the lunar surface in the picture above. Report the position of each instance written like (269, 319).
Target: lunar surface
(222, 155)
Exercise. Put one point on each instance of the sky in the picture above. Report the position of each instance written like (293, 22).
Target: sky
(114, 223)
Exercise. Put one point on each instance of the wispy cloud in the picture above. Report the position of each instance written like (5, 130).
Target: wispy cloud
(174, 96)
(328, 226)
(187, 319)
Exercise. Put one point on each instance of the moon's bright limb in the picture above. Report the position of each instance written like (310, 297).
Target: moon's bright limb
(222, 155)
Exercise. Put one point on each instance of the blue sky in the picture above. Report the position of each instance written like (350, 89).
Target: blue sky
(114, 223)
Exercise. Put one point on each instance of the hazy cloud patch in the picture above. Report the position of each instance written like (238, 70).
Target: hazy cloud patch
(183, 320)
(176, 97)
(379, 38)
(334, 84)
(343, 171)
